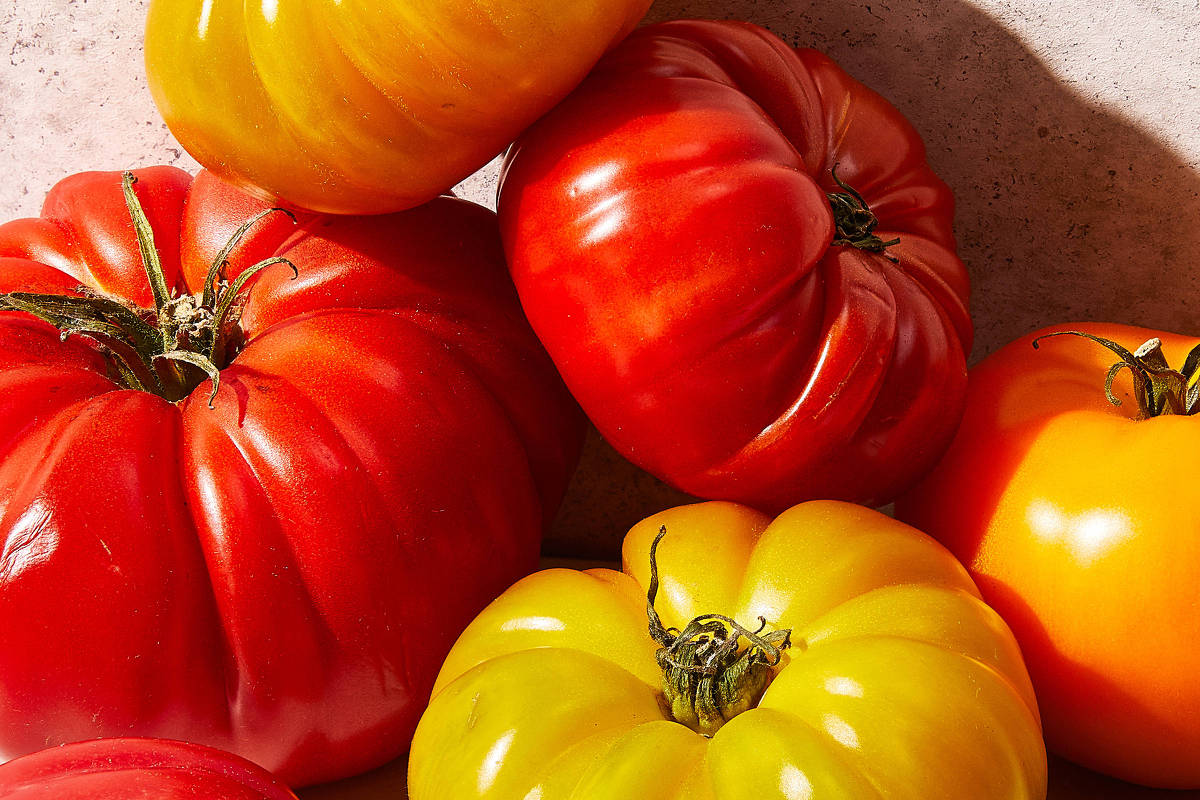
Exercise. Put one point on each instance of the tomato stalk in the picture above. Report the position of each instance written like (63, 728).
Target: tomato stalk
(1158, 389)
(855, 222)
(169, 351)
(707, 678)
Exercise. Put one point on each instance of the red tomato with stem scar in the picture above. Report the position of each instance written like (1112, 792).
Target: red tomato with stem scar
(744, 268)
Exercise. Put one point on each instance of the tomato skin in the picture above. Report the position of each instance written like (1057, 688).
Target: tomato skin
(668, 229)
(127, 769)
(900, 683)
(363, 106)
(279, 575)
(1076, 522)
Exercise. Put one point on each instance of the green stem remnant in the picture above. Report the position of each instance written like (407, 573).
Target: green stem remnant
(854, 221)
(1158, 389)
(707, 679)
(172, 349)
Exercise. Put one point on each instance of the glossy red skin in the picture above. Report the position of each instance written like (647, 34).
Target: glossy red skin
(279, 576)
(669, 234)
(137, 769)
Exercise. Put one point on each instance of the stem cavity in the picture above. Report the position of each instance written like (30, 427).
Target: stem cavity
(854, 221)
(169, 350)
(1158, 389)
(707, 678)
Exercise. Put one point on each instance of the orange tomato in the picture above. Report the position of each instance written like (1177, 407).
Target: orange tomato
(1077, 518)
(366, 106)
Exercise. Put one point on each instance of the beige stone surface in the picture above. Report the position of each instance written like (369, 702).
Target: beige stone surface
(1068, 129)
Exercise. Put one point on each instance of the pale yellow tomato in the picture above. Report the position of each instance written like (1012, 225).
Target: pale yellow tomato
(899, 684)
(366, 106)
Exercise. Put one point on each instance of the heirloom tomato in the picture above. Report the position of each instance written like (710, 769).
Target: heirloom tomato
(276, 566)
(366, 106)
(131, 769)
(1071, 505)
(743, 267)
(830, 653)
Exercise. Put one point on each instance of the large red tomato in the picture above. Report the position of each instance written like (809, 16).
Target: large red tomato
(137, 769)
(732, 318)
(1076, 514)
(277, 571)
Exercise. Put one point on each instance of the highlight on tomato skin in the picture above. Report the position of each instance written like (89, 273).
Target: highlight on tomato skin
(257, 471)
(745, 305)
(828, 652)
(366, 106)
(122, 769)
(1068, 494)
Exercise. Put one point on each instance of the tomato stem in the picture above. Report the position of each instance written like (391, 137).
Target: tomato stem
(172, 349)
(1158, 389)
(707, 679)
(209, 296)
(854, 222)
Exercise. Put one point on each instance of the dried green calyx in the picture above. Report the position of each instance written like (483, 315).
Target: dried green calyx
(854, 221)
(1158, 389)
(708, 677)
(169, 350)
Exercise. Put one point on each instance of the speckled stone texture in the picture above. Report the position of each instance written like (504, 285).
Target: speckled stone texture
(1069, 131)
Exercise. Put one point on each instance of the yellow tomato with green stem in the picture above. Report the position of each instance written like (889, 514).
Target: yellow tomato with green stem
(366, 106)
(830, 654)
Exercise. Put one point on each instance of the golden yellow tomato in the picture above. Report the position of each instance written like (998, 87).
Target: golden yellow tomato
(899, 683)
(366, 106)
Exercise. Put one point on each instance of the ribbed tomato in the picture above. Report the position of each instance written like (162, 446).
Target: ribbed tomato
(829, 653)
(743, 267)
(129, 769)
(278, 570)
(366, 106)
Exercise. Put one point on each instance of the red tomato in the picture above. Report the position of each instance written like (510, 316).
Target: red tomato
(131, 769)
(1077, 519)
(280, 574)
(672, 231)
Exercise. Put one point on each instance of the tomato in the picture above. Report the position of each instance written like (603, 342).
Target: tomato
(898, 681)
(1075, 517)
(672, 231)
(123, 769)
(366, 106)
(279, 569)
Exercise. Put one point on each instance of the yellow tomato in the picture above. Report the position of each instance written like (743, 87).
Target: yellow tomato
(899, 683)
(366, 106)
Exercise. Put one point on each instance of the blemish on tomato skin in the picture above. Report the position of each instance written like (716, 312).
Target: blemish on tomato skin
(473, 716)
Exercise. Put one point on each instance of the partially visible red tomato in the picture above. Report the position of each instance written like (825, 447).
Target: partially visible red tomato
(137, 769)
(1079, 520)
(732, 318)
(278, 571)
